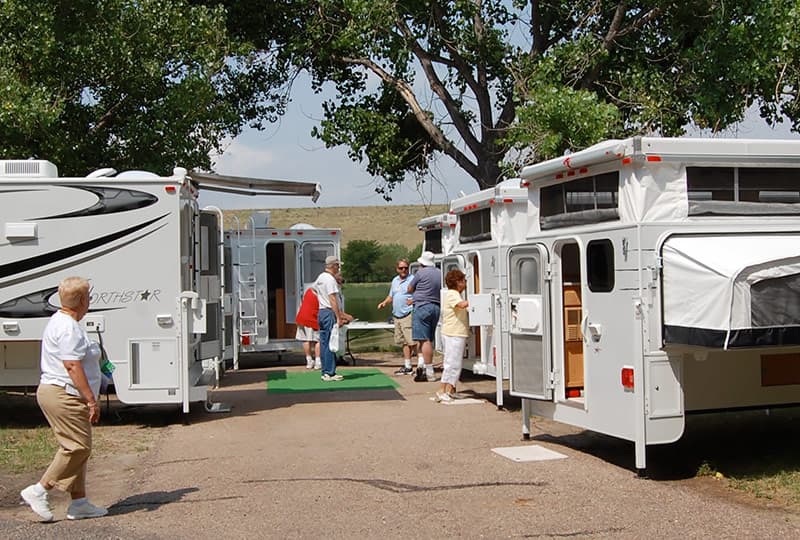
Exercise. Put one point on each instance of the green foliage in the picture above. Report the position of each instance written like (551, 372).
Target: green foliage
(495, 84)
(357, 260)
(367, 261)
(135, 85)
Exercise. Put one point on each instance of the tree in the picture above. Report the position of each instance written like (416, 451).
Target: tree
(135, 85)
(484, 81)
(358, 258)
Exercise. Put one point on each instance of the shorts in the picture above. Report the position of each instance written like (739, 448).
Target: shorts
(304, 333)
(402, 331)
(425, 319)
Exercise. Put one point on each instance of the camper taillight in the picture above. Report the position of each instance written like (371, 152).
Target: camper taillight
(245, 340)
(627, 378)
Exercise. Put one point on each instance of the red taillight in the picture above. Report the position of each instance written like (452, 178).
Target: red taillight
(627, 378)
(654, 158)
(170, 189)
(245, 340)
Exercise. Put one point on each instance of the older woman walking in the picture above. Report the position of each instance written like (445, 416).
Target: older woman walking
(67, 395)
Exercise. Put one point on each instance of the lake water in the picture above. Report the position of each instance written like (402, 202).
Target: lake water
(361, 301)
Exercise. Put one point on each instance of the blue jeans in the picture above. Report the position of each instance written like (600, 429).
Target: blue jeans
(326, 320)
(424, 321)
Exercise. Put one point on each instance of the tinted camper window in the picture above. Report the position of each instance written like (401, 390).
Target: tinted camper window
(475, 226)
(600, 265)
(743, 190)
(433, 240)
(586, 200)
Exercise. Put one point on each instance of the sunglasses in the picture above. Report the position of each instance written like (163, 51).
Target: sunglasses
(402, 267)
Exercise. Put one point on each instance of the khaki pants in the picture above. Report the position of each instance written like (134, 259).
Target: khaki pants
(69, 418)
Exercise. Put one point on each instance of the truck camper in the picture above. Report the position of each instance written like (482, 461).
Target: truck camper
(270, 271)
(438, 235)
(154, 262)
(487, 224)
(659, 277)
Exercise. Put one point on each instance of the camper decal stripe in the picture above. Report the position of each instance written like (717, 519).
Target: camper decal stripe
(35, 305)
(749, 337)
(110, 201)
(54, 256)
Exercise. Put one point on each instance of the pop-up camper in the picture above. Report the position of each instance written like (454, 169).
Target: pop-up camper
(153, 259)
(659, 277)
(270, 270)
(487, 224)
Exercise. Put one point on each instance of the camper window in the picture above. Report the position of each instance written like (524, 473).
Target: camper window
(742, 190)
(433, 240)
(475, 226)
(600, 265)
(314, 263)
(524, 275)
(585, 200)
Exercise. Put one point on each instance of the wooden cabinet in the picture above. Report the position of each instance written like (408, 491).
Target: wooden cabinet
(573, 337)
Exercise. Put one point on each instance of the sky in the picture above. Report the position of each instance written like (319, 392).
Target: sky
(287, 151)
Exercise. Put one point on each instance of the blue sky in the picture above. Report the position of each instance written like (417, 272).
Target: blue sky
(287, 151)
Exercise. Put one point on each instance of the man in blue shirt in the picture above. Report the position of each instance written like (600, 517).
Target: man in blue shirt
(426, 287)
(401, 313)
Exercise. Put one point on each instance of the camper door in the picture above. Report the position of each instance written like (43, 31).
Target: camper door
(529, 328)
(209, 260)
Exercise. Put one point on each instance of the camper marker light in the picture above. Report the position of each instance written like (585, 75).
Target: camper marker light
(654, 158)
(627, 160)
(627, 378)
(170, 189)
(245, 340)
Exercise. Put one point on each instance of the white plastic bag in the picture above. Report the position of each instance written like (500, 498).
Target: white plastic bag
(333, 342)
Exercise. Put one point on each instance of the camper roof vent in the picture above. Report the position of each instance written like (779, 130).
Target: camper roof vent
(28, 167)
(260, 219)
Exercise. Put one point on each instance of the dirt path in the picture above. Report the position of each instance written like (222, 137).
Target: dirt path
(387, 464)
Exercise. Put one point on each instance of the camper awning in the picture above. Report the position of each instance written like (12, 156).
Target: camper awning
(732, 290)
(254, 186)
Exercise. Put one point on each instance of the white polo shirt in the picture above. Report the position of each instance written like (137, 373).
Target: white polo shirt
(65, 339)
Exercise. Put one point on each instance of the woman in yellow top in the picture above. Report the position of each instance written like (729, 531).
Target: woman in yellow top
(455, 330)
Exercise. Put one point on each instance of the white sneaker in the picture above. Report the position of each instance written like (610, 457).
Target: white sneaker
(443, 397)
(317, 364)
(431, 376)
(85, 510)
(310, 363)
(39, 503)
(329, 378)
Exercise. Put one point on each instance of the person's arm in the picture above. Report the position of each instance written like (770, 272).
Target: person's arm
(386, 301)
(464, 304)
(335, 307)
(81, 383)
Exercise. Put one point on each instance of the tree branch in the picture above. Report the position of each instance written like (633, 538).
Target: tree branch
(405, 91)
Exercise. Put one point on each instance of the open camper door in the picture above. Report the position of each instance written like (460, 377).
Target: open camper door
(529, 322)
(210, 266)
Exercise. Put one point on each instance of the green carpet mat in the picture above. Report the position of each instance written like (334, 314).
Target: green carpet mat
(286, 382)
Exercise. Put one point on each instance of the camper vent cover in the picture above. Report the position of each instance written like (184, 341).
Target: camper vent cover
(29, 167)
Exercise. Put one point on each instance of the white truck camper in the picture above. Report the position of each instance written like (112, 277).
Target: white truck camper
(487, 224)
(154, 261)
(659, 277)
(271, 269)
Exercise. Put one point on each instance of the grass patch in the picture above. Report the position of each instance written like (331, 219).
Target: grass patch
(26, 450)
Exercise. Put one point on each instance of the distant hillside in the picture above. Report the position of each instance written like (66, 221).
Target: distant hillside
(391, 224)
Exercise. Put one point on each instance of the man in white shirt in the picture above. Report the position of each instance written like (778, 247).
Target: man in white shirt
(330, 313)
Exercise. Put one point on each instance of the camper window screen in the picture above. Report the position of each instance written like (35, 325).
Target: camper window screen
(433, 240)
(585, 200)
(475, 226)
(742, 190)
